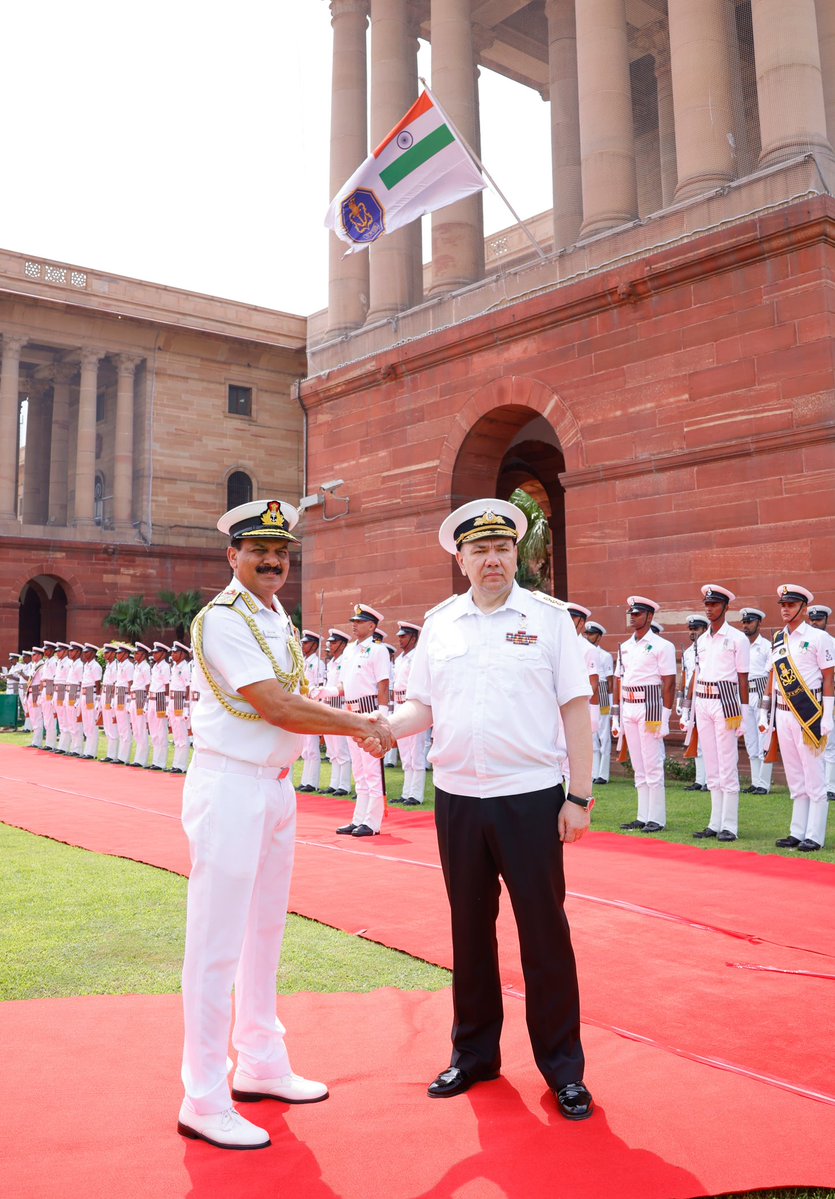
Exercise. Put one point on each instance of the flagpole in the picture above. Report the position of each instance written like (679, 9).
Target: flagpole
(484, 170)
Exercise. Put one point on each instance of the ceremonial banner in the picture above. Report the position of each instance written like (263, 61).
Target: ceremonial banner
(419, 167)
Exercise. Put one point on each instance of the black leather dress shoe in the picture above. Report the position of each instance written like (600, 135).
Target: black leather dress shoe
(305, 787)
(807, 846)
(634, 824)
(694, 787)
(726, 835)
(652, 826)
(347, 829)
(365, 830)
(705, 832)
(787, 843)
(752, 790)
(455, 1082)
(328, 790)
(411, 802)
(574, 1101)
(759, 791)
(340, 791)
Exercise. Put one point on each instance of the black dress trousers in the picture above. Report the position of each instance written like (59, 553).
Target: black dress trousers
(515, 838)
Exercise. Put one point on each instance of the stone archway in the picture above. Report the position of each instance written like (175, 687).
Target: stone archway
(43, 611)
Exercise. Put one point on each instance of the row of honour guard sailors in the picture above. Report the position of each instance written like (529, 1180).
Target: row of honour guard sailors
(138, 695)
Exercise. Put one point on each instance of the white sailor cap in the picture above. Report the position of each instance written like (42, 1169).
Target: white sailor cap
(260, 518)
(14, 655)
(482, 518)
(578, 609)
(408, 628)
(110, 647)
(37, 649)
(748, 614)
(141, 648)
(79, 645)
(818, 611)
(161, 648)
(697, 618)
(365, 612)
(338, 635)
(181, 647)
(90, 648)
(712, 593)
(594, 626)
(50, 645)
(793, 593)
(640, 603)
(62, 645)
(657, 626)
(309, 635)
(123, 647)
(26, 653)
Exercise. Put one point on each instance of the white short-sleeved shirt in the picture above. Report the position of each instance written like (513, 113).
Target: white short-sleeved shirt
(91, 673)
(402, 670)
(760, 659)
(160, 676)
(62, 666)
(75, 672)
(49, 668)
(124, 673)
(109, 676)
(334, 671)
(605, 663)
(314, 669)
(811, 651)
(364, 665)
(180, 676)
(645, 661)
(236, 660)
(141, 676)
(493, 681)
(723, 654)
(590, 657)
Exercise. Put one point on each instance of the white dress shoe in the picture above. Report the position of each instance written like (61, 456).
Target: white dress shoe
(290, 1088)
(226, 1130)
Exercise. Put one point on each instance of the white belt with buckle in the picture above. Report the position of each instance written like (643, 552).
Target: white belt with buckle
(207, 759)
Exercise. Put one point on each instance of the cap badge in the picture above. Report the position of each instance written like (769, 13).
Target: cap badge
(489, 518)
(271, 516)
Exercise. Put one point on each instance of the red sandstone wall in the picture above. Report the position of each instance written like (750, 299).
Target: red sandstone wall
(693, 397)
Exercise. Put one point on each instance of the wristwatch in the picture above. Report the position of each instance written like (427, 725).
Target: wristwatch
(587, 804)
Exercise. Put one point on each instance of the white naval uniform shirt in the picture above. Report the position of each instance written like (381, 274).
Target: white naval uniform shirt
(91, 674)
(109, 676)
(75, 674)
(812, 653)
(645, 661)
(402, 670)
(236, 660)
(180, 680)
(760, 660)
(160, 676)
(141, 677)
(334, 672)
(314, 668)
(494, 682)
(364, 665)
(48, 672)
(124, 678)
(723, 654)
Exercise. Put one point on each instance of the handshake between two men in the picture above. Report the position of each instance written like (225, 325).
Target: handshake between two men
(377, 739)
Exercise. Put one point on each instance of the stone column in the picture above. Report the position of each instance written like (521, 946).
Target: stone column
(789, 84)
(126, 365)
(393, 279)
(666, 126)
(85, 451)
(701, 96)
(58, 487)
(458, 230)
(565, 122)
(36, 471)
(826, 43)
(348, 286)
(9, 424)
(607, 137)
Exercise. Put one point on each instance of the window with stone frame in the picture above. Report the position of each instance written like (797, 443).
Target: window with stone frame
(238, 489)
(239, 402)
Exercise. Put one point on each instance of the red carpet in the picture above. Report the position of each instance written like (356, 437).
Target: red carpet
(96, 1093)
(694, 957)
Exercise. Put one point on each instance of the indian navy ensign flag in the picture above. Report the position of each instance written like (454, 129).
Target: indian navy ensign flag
(421, 166)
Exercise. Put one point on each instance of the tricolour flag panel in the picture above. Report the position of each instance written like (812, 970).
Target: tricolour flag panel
(419, 167)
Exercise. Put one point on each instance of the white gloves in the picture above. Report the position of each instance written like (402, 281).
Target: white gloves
(678, 705)
(666, 715)
(685, 717)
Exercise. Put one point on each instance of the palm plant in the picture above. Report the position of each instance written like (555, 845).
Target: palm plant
(132, 617)
(179, 610)
(535, 547)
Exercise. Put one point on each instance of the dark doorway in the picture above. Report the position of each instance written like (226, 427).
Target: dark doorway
(43, 612)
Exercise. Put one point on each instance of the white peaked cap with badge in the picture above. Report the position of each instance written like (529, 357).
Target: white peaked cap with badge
(479, 519)
(642, 603)
(260, 518)
(578, 608)
(793, 593)
(713, 593)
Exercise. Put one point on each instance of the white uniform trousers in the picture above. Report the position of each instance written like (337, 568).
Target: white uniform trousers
(756, 746)
(111, 732)
(339, 756)
(806, 777)
(829, 764)
(368, 777)
(139, 728)
(36, 717)
(241, 832)
(64, 734)
(646, 752)
(123, 724)
(179, 735)
(720, 749)
(75, 729)
(312, 758)
(158, 734)
(89, 724)
(50, 726)
(602, 744)
(413, 756)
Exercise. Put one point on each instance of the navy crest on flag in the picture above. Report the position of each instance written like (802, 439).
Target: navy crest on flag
(362, 216)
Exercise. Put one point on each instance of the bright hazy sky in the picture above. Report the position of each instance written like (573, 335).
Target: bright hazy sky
(185, 142)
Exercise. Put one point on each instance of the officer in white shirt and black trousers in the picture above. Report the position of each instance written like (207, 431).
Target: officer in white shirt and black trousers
(239, 814)
(496, 671)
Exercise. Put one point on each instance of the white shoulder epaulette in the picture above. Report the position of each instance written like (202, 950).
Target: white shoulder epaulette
(548, 599)
(228, 597)
(438, 607)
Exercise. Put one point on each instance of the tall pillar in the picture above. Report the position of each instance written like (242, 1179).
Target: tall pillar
(348, 280)
(62, 373)
(36, 470)
(85, 450)
(789, 84)
(393, 279)
(457, 230)
(123, 442)
(9, 424)
(565, 122)
(826, 41)
(701, 96)
(607, 136)
(666, 127)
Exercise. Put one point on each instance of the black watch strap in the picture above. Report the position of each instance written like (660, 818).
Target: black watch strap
(581, 803)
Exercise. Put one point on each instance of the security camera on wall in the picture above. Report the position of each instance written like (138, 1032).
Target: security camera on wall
(332, 486)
